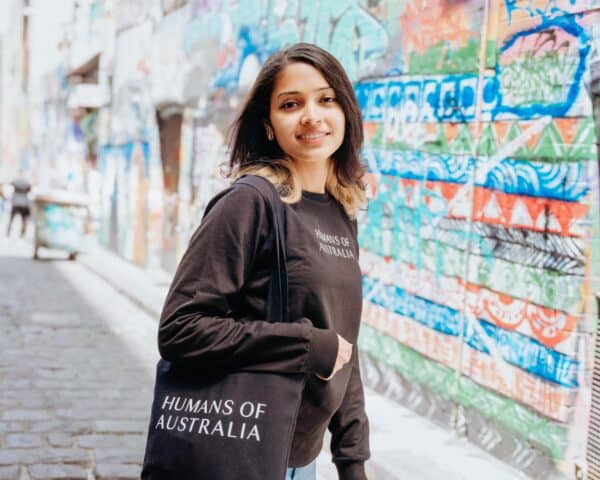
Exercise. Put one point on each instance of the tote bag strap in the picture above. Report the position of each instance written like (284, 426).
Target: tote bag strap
(277, 307)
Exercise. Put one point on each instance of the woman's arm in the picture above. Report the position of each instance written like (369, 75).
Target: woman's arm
(349, 429)
(197, 327)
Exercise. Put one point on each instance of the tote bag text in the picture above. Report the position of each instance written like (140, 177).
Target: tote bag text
(224, 417)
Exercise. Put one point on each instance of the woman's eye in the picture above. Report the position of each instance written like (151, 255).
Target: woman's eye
(288, 105)
(329, 99)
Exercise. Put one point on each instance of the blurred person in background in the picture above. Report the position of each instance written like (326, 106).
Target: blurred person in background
(20, 203)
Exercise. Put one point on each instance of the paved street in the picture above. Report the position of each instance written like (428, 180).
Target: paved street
(77, 354)
(75, 372)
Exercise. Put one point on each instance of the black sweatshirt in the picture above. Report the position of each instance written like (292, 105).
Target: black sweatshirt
(214, 315)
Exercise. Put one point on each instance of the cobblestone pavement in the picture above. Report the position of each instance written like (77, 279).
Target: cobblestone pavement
(75, 372)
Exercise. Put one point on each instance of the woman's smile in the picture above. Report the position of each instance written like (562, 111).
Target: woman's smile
(312, 138)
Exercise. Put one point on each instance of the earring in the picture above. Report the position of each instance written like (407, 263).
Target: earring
(270, 135)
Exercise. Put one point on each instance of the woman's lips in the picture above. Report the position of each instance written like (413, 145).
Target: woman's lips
(314, 137)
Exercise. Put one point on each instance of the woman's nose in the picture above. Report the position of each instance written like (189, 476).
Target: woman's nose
(310, 115)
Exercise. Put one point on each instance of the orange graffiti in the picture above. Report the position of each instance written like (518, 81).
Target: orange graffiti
(545, 397)
(427, 23)
(549, 326)
(508, 210)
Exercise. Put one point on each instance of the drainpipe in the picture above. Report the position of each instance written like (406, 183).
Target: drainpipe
(459, 421)
(591, 465)
(595, 94)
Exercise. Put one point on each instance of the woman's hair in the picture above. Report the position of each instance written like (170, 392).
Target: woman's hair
(253, 153)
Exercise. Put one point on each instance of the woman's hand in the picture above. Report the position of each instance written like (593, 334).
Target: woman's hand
(343, 357)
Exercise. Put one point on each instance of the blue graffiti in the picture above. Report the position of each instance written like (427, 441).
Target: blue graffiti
(392, 210)
(124, 153)
(438, 98)
(396, 228)
(357, 40)
(451, 98)
(512, 6)
(548, 10)
(350, 33)
(515, 348)
(561, 181)
(247, 45)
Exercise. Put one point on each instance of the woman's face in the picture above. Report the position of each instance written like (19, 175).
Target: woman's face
(307, 120)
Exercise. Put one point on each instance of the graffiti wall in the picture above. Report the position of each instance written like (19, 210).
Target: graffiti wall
(478, 246)
(131, 189)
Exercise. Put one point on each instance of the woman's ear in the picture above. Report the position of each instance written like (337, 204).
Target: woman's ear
(269, 131)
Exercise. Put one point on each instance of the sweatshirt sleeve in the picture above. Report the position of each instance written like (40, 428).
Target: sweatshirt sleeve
(349, 429)
(197, 326)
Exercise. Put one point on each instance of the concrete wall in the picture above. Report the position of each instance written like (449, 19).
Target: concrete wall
(15, 132)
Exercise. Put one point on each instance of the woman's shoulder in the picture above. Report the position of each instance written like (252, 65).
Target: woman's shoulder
(235, 213)
(240, 199)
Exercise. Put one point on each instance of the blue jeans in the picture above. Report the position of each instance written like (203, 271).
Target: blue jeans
(303, 473)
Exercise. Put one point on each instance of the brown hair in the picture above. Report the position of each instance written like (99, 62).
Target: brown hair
(253, 153)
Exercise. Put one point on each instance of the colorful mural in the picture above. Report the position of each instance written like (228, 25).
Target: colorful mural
(479, 243)
(128, 218)
(476, 248)
(131, 189)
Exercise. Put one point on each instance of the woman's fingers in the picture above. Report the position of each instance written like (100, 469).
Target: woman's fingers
(343, 357)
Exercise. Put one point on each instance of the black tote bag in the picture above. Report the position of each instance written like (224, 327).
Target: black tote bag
(233, 426)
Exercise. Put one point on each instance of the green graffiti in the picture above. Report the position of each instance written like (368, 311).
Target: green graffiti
(442, 59)
(486, 146)
(550, 147)
(544, 287)
(516, 418)
(350, 33)
(584, 144)
(463, 143)
(541, 79)
(550, 143)
(513, 133)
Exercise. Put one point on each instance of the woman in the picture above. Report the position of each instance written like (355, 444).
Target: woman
(301, 128)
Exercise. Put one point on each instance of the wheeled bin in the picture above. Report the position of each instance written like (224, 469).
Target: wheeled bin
(60, 222)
